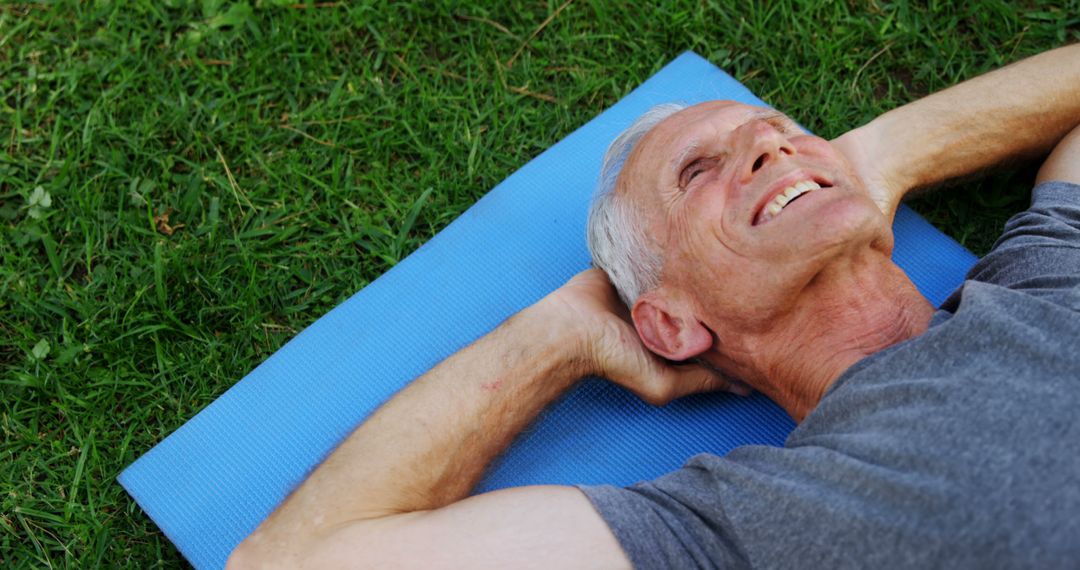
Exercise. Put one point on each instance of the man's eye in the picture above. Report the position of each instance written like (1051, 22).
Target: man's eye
(780, 124)
(694, 169)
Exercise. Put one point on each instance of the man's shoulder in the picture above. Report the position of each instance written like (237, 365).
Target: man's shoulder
(1038, 252)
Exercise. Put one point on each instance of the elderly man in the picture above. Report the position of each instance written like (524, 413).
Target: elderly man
(926, 438)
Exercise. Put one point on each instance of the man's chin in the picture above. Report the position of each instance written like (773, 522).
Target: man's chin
(849, 221)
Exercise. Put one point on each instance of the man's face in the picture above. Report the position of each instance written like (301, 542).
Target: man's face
(710, 182)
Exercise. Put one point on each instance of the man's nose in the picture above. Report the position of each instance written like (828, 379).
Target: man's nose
(765, 143)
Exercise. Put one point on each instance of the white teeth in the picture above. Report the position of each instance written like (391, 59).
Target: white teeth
(783, 198)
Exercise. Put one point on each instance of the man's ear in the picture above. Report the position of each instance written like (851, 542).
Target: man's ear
(669, 330)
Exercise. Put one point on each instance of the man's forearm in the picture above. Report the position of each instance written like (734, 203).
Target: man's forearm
(1017, 112)
(429, 445)
(396, 489)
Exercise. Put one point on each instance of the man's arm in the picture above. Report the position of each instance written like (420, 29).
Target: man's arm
(1064, 162)
(1014, 113)
(389, 495)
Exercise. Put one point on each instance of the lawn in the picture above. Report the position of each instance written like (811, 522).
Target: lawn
(186, 185)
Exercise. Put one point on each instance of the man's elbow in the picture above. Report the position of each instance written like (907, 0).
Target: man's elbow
(241, 558)
(314, 551)
(362, 543)
(249, 554)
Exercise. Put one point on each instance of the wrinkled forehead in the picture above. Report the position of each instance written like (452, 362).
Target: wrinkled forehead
(713, 114)
(666, 143)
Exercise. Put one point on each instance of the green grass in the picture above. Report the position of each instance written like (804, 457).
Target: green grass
(299, 152)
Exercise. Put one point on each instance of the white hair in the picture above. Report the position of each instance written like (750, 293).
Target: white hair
(615, 232)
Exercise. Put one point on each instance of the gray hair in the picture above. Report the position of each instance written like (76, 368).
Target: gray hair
(614, 231)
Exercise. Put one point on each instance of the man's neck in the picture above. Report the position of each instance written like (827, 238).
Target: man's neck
(846, 313)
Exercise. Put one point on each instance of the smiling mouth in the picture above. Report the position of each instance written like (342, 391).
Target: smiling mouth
(782, 200)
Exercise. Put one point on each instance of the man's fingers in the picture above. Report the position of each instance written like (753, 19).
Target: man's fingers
(695, 379)
(717, 380)
(666, 382)
(620, 357)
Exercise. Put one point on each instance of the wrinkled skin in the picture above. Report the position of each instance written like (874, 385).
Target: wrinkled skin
(743, 294)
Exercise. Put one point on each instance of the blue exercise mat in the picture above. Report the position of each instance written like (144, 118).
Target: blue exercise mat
(209, 484)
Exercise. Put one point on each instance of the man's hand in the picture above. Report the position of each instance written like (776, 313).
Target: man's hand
(857, 147)
(610, 346)
(1014, 113)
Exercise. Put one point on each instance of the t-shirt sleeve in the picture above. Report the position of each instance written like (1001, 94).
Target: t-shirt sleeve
(807, 506)
(675, 521)
(1039, 250)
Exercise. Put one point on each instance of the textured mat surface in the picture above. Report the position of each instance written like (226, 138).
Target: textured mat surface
(211, 482)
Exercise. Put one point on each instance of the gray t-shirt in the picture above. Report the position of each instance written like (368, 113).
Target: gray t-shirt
(957, 448)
